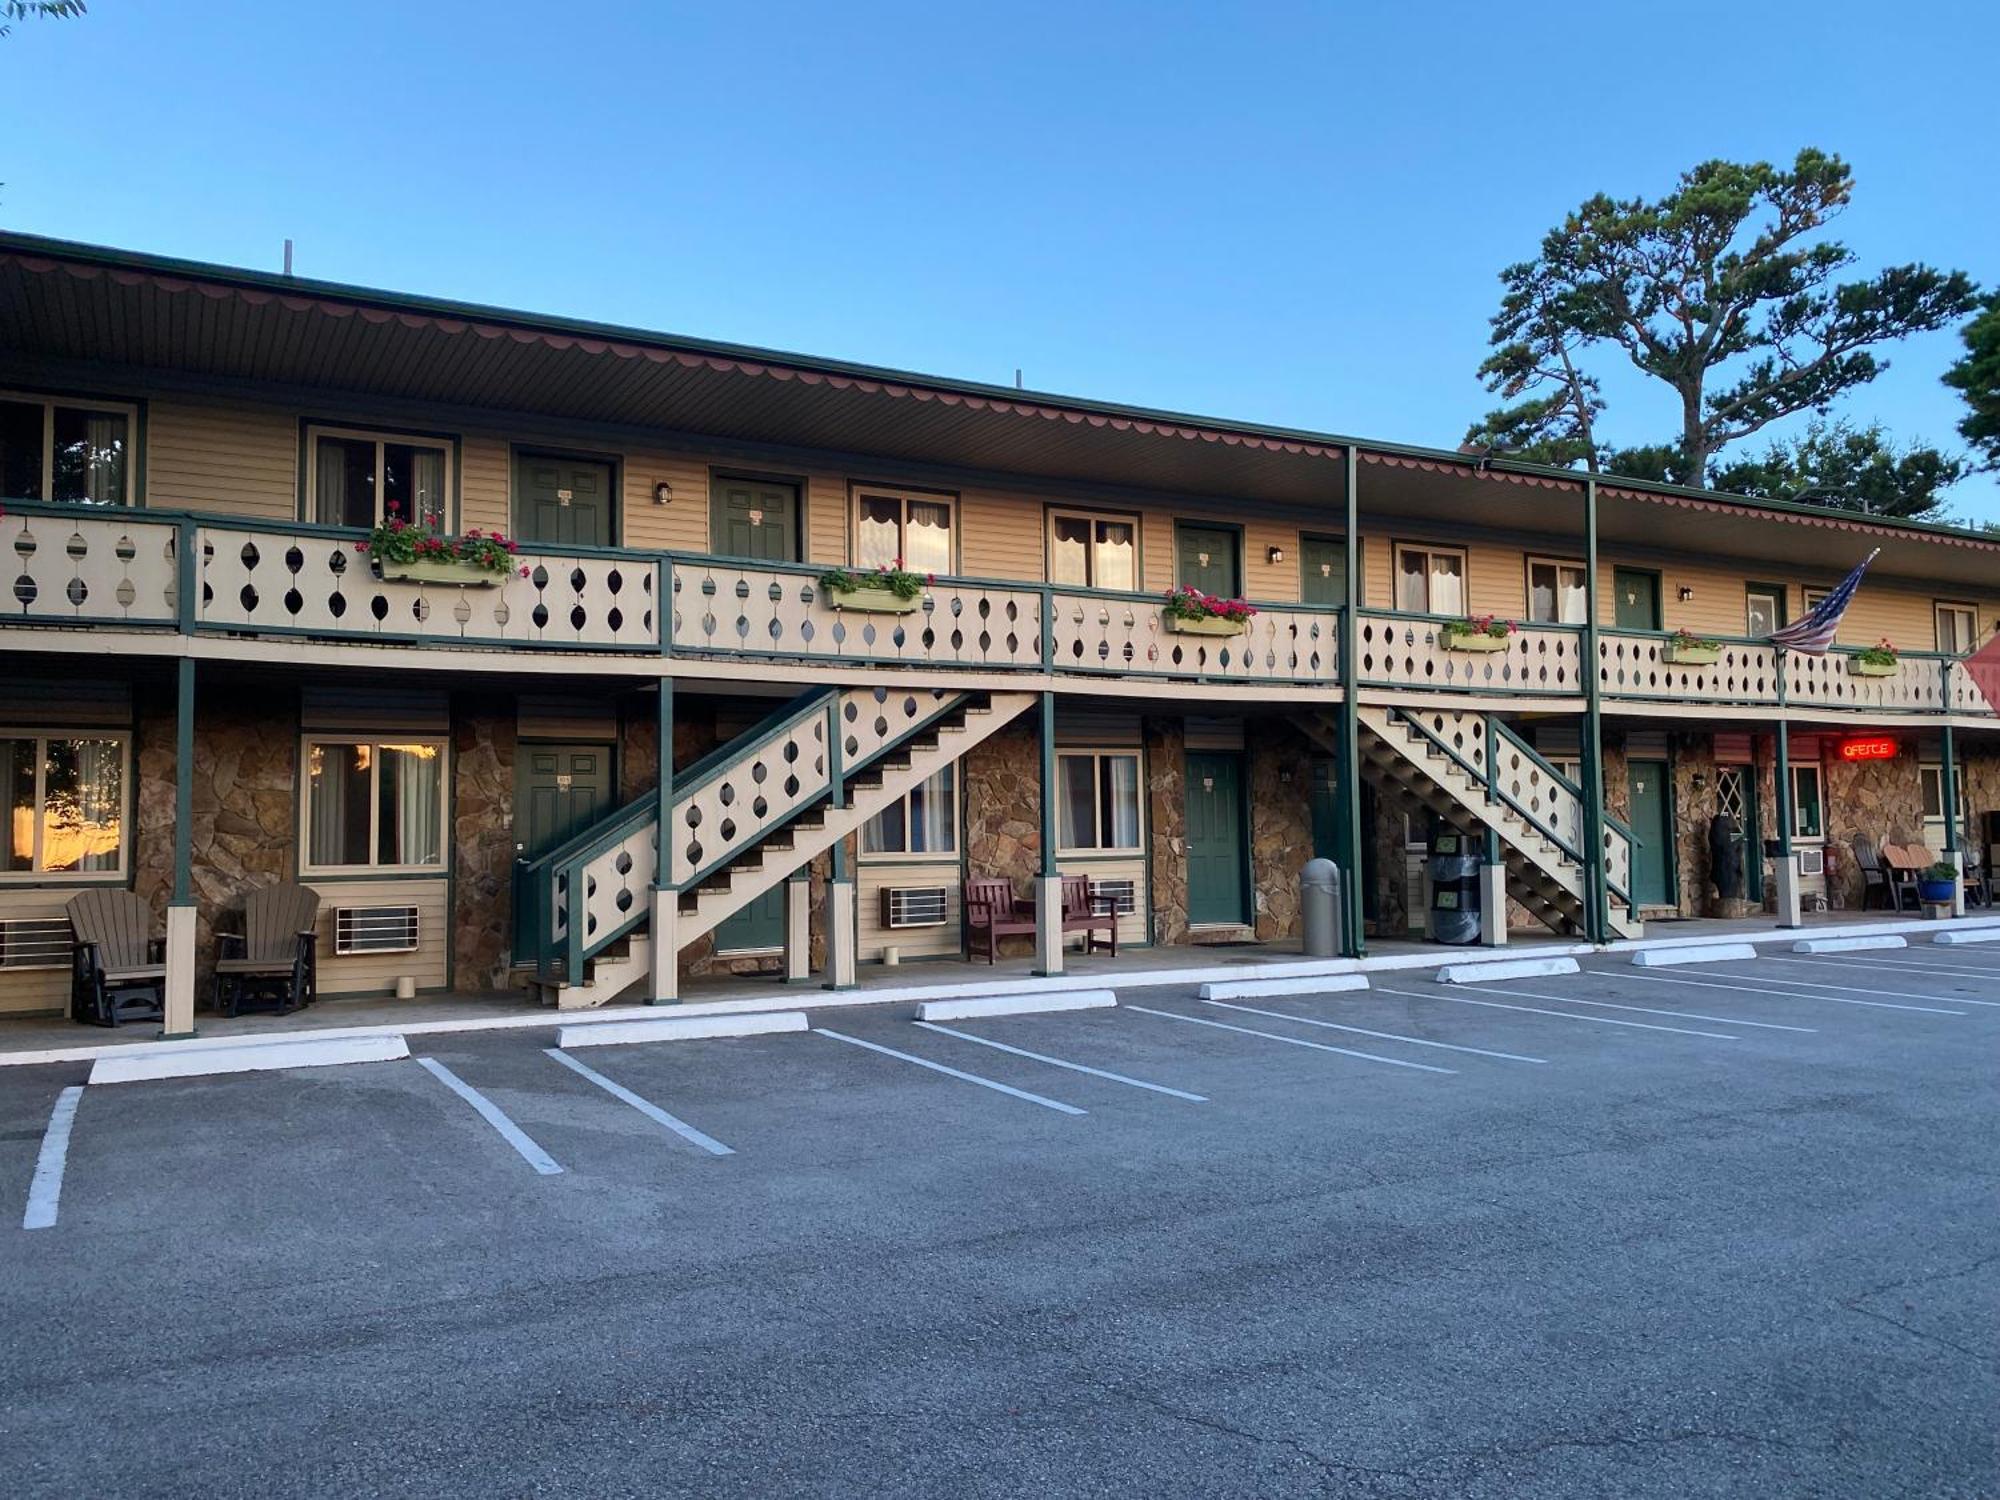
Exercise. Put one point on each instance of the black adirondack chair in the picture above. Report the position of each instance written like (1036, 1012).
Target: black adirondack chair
(118, 969)
(273, 960)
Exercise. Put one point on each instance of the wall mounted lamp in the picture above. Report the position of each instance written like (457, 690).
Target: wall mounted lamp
(663, 493)
(1274, 555)
(1686, 593)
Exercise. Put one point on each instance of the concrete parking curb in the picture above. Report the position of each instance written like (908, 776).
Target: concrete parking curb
(977, 1006)
(1712, 953)
(1848, 944)
(1250, 989)
(1510, 968)
(197, 1062)
(1968, 935)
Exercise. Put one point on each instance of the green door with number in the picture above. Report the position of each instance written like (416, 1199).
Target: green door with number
(563, 502)
(1323, 571)
(757, 928)
(1215, 850)
(1205, 557)
(1646, 781)
(1636, 599)
(756, 518)
(559, 790)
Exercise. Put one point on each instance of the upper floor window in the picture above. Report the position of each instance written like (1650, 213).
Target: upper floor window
(924, 821)
(1430, 580)
(910, 530)
(65, 803)
(57, 449)
(1093, 552)
(372, 804)
(1763, 609)
(1957, 629)
(1555, 591)
(360, 478)
(1098, 803)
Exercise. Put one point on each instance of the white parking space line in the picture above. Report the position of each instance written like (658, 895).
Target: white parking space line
(1650, 1010)
(45, 1191)
(1903, 968)
(1387, 1036)
(936, 1067)
(645, 1107)
(1057, 1062)
(1875, 987)
(1790, 991)
(1560, 1015)
(492, 1114)
(1291, 1041)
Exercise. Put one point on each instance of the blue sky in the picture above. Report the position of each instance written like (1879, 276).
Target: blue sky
(1283, 213)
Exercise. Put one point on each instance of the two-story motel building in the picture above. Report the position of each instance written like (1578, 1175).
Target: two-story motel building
(208, 689)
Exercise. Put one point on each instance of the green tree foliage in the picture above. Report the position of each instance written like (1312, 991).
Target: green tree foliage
(1725, 289)
(1859, 468)
(29, 10)
(1537, 342)
(1977, 378)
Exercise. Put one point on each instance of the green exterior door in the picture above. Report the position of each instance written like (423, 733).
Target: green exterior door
(758, 927)
(563, 502)
(1215, 850)
(559, 790)
(1205, 557)
(1647, 782)
(756, 518)
(1636, 596)
(1323, 571)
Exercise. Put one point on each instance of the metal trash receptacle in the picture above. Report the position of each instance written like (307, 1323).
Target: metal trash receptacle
(1454, 870)
(1319, 903)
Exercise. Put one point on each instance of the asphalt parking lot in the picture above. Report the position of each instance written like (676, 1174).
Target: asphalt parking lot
(1724, 1230)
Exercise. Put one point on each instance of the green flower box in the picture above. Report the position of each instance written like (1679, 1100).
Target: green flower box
(1205, 625)
(431, 570)
(1693, 656)
(872, 599)
(1862, 668)
(1455, 640)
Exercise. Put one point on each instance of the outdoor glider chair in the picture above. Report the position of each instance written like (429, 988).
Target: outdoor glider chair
(273, 961)
(1081, 914)
(118, 969)
(992, 913)
(1877, 878)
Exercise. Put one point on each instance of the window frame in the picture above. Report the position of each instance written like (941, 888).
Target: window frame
(1781, 592)
(127, 794)
(381, 437)
(1811, 768)
(1939, 607)
(1927, 771)
(1528, 566)
(903, 494)
(1053, 513)
(49, 401)
(904, 856)
(1430, 549)
(1097, 755)
(375, 741)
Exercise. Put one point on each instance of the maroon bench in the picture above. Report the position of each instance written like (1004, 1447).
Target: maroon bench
(992, 913)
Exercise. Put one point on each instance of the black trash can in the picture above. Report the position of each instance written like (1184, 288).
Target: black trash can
(1454, 870)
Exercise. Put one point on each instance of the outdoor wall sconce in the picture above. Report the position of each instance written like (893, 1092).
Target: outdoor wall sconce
(1686, 593)
(1274, 555)
(663, 493)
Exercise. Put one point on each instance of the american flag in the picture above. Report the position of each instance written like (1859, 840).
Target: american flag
(1814, 631)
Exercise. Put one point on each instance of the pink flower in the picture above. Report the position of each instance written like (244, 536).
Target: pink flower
(524, 570)
(360, 546)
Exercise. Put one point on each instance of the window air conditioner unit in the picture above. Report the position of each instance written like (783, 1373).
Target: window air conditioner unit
(35, 943)
(1119, 897)
(374, 929)
(1812, 860)
(915, 906)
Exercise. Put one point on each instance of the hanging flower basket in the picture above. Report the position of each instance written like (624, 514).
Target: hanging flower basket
(886, 591)
(429, 570)
(1483, 633)
(1191, 612)
(1688, 650)
(1205, 625)
(1878, 660)
(401, 553)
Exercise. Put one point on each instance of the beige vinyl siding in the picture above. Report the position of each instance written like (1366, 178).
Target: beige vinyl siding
(681, 525)
(29, 991)
(376, 973)
(485, 483)
(875, 876)
(829, 526)
(238, 460)
(1001, 535)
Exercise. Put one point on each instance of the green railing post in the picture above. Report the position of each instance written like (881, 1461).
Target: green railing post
(1596, 885)
(1949, 776)
(1348, 829)
(1492, 759)
(1048, 628)
(187, 574)
(573, 882)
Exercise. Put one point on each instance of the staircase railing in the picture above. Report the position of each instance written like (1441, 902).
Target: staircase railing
(1514, 774)
(597, 887)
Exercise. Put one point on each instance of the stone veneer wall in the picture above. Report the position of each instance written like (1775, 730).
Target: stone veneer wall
(1881, 799)
(1002, 799)
(1165, 742)
(483, 738)
(1281, 838)
(1695, 798)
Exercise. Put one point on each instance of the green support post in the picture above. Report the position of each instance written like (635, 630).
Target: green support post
(1596, 887)
(184, 783)
(1782, 780)
(1048, 751)
(663, 871)
(1950, 792)
(1348, 828)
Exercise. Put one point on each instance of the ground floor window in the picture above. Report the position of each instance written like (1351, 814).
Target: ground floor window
(1098, 805)
(65, 803)
(1808, 808)
(924, 821)
(1930, 779)
(374, 804)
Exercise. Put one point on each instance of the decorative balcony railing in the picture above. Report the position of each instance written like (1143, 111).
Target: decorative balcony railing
(1641, 666)
(1416, 651)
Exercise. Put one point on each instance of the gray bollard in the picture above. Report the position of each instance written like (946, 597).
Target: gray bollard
(1319, 900)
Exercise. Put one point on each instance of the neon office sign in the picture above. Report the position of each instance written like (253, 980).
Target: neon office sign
(1868, 749)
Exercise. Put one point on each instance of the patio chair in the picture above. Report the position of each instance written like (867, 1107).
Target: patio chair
(1876, 878)
(118, 969)
(1080, 914)
(1902, 864)
(274, 960)
(991, 913)
(1978, 881)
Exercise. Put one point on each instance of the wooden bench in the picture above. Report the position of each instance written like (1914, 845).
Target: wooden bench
(992, 913)
(1080, 915)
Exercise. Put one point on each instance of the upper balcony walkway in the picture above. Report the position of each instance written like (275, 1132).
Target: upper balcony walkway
(151, 573)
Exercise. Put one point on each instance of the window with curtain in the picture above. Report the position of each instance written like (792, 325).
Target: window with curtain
(911, 530)
(1555, 591)
(1430, 580)
(363, 478)
(1808, 817)
(374, 804)
(69, 451)
(1930, 781)
(65, 803)
(1763, 610)
(1098, 806)
(1094, 552)
(1957, 628)
(923, 822)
